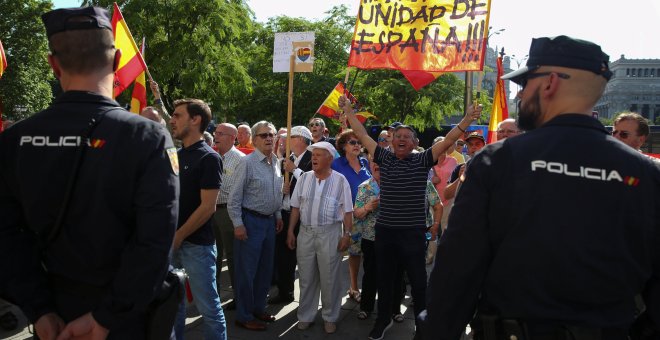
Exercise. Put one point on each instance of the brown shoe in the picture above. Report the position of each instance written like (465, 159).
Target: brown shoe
(265, 317)
(252, 325)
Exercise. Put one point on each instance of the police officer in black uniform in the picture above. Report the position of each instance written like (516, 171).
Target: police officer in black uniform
(98, 273)
(555, 231)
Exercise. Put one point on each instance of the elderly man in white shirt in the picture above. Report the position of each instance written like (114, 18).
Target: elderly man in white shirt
(322, 200)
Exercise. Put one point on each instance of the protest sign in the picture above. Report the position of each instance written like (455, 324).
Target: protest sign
(283, 49)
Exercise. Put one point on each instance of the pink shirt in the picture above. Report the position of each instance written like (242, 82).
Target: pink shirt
(443, 170)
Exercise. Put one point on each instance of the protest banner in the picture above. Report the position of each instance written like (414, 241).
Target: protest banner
(426, 36)
(292, 52)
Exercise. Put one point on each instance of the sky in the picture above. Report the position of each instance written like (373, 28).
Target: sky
(619, 27)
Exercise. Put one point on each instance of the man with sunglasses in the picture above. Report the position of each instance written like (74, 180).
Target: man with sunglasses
(317, 127)
(547, 241)
(254, 205)
(632, 129)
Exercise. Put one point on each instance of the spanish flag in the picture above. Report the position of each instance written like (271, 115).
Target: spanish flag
(3, 61)
(419, 79)
(500, 110)
(131, 63)
(139, 97)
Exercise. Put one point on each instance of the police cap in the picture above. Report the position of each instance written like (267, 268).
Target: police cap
(565, 52)
(59, 20)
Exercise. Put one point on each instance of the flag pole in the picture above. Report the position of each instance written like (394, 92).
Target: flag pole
(289, 112)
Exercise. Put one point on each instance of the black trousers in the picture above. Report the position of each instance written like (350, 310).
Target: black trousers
(405, 250)
(285, 259)
(370, 280)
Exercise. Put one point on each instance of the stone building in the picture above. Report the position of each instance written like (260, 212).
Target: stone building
(635, 86)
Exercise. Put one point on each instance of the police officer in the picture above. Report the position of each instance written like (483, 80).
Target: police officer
(547, 240)
(97, 275)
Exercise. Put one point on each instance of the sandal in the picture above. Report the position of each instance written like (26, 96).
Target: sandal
(354, 295)
(398, 318)
(362, 315)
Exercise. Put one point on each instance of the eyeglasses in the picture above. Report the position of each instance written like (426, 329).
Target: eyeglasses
(381, 139)
(220, 134)
(265, 135)
(622, 134)
(315, 124)
(507, 131)
(354, 142)
(529, 76)
(460, 144)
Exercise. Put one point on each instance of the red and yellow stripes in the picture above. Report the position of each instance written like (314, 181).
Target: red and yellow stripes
(139, 96)
(500, 110)
(3, 60)
(131, 63)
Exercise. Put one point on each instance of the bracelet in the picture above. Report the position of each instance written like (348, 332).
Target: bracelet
(158, 101)
(459, 127)
(347, 234)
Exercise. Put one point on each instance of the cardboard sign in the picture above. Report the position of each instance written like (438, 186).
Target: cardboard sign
(284, 47)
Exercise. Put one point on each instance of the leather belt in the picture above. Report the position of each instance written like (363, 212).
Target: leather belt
(256, 213)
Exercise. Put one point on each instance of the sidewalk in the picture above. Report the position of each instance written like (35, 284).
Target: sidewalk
(348, 326)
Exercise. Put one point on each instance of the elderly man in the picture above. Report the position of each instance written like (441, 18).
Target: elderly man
(384, 139)
(317, 127)
(244, 138)
(254, 208)
(322, 200)
(401, 222)
(225, 137)
(632, 129)
(285, 259)
(507, 128)
(557, 244)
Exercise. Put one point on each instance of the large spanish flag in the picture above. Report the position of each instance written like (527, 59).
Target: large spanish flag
(3, 61)
(330, 107)
(426, 36)
(139, 96)
(131, 63)
(500, 110)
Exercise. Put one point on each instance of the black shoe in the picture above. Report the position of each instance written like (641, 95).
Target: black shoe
(378, 332)
(230, 305)
(278, 300)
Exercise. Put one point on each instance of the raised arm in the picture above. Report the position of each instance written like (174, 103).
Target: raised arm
(357, 127)
(473, 114)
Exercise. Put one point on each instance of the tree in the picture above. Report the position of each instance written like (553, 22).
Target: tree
(195, 49)
(25, 87)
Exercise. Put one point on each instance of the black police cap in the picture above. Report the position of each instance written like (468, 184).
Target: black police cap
(59, 20)
(565, 52)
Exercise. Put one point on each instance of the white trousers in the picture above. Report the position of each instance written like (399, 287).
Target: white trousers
(319, 262)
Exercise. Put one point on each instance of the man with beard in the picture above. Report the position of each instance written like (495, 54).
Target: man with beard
(544, 242)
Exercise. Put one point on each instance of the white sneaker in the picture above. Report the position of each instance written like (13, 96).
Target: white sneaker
(302, 325)
(330, 327)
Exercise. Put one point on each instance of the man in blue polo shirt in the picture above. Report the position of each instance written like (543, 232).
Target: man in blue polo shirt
(200, 170)
(401, 222)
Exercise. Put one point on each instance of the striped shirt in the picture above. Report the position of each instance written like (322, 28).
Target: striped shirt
(257, 186)
(230, 161)
(322, 202)
(403, 189)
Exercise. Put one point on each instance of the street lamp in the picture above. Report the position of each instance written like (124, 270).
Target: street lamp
(519, 61)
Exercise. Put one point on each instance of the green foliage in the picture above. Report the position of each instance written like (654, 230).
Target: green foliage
(24, 87)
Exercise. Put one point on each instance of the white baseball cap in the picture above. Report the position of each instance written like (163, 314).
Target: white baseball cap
(324, 145)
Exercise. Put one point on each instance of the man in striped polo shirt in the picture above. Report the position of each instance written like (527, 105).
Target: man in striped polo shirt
(401, 222)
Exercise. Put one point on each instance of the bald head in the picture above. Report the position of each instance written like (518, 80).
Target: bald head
(244, 134)
(151, 113)
(225, 136)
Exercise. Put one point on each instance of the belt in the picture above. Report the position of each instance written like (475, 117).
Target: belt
(221, 205)
(256, 213)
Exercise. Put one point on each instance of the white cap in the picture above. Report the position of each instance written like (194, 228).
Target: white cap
(301, 131)
(324, 145)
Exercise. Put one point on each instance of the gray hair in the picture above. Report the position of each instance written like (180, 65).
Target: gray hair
(261, 124)
(508, 120)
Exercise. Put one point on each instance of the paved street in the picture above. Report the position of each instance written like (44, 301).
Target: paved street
(348, 327)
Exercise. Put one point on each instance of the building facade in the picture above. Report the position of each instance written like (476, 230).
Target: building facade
(635, 86)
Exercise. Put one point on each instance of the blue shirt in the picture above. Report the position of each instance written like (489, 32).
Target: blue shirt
(354, 178)
(199, 168)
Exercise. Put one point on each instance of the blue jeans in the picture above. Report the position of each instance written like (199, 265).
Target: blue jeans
(199, 263)
(253, 265)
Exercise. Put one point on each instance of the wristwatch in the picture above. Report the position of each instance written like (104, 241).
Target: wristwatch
(348, 234)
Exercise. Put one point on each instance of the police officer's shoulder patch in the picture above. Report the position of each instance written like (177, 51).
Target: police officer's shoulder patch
(174, 160)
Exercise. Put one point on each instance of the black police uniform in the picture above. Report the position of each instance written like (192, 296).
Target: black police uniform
(558, 226)
(112, 252)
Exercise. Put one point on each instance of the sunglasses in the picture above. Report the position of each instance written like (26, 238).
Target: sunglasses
(314, 124)
(354, 142)
(380, 139)
(622, 134)
(265, 135)
(507, 131)
(529, 76)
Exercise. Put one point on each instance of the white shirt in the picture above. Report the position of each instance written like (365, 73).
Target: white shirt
(322, 202)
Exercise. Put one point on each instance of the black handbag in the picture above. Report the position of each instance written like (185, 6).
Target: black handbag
(161, 312)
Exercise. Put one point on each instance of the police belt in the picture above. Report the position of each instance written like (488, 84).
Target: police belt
(495, 328)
